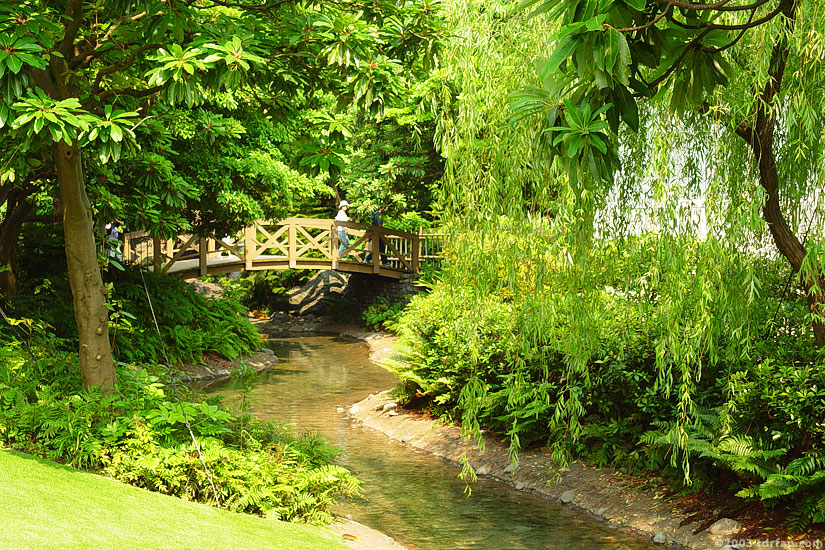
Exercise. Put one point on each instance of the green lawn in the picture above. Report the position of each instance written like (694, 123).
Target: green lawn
(44, 505)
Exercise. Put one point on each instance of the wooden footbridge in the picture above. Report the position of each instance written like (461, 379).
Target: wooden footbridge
(293, 243)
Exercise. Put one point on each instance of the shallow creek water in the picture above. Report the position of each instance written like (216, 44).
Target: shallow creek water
(413, 497)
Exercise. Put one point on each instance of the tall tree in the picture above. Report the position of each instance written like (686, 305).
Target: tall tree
(717, 72)
(78, 77)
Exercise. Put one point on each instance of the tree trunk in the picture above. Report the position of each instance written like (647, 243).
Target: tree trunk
(17, 210)
(760, 138)
(88, 293)
(786, 240)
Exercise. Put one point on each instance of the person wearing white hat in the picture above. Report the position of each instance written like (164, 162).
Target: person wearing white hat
(343, 238)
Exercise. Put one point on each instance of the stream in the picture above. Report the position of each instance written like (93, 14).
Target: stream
(413, 497)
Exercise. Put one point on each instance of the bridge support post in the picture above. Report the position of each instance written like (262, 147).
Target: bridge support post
(249, 235)
(416, 252)
(127, 248)
(377, 233)
(333, 245)
(203, 248)
(292, 247)
(156, 253)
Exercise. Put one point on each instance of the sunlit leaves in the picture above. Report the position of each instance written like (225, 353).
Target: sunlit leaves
(66, 121)
(231, 55)
(110, 130)
(61, 120)
(378, 82)
(18, 55)
(323, 155)
(25, 20)
(17, 52)
(176, 71)
(352, 38)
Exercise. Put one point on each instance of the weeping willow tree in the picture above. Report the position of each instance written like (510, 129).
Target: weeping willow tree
(741, 84)
(634, 193)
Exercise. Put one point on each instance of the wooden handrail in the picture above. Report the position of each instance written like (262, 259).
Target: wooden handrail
(290, 243)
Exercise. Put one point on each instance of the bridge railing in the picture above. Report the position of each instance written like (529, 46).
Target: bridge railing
(293, 242)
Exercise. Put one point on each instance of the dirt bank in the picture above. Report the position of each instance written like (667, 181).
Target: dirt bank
(601, 492)
(360, 537)
(216, 368)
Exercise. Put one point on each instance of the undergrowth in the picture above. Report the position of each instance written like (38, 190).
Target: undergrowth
(588, 368)
(137, 434)
(190, 325)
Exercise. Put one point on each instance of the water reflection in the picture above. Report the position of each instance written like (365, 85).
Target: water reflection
(413, 497)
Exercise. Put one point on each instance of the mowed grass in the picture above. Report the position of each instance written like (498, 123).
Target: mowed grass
(44, 505)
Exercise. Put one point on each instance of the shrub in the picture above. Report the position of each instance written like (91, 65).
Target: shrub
(383, 314)
(138, 435)
(190, 325)
(615, 356)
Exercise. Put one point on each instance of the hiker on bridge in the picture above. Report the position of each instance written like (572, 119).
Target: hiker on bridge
(343, 238)
(113, 248)
(378, 221)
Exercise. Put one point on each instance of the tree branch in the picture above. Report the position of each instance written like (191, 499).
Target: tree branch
(733, 42)
(765, 117)
(74, 15)
(85, 56)
(781, 8)
(749, 25)
(693, 43)
(131, 92)
(118, 68)
(653, 21)
(719, 6)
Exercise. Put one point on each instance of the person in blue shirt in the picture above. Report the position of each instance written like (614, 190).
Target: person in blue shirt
(113, 240)
(377, 220)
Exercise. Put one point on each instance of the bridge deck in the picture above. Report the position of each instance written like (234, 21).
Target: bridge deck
(294, 243)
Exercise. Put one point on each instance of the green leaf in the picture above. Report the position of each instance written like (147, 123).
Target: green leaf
(645, 54)
(628, 109)
(115, 133)
(598, 143)
(14, 64)
(564, 49)
(574, 145)
(638, 5)
(595, 23)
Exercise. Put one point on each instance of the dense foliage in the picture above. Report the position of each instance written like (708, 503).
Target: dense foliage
(580, 369)
(613, 286)
(137, 434)
(190, 325)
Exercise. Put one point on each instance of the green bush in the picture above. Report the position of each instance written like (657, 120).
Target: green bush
(137, 434)
(190, 325)
(617, 363)
(383, 314)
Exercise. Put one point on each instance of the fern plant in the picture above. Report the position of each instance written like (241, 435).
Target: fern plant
(714, 440)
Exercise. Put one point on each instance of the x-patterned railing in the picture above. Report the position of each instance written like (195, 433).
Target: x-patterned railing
(297, 243)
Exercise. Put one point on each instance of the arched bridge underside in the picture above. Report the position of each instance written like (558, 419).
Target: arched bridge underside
(293, 243)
